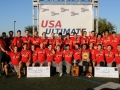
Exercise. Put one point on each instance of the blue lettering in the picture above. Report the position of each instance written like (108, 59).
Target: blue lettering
(77, 30)
(48, 31)
(57, 30)
(73, 31)
(66, 31)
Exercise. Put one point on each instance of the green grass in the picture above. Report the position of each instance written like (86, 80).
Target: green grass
(52, 83)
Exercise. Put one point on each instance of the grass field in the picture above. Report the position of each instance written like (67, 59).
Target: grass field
(66, 82)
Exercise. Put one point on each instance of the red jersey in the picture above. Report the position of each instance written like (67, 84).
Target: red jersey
(68, 54)
(75, 40)
(109, 56)
(15, 57)
(92, 39)
(2, 44)
(99, 41)
(59, 41)
(117, 57)
(50, 55)
(17, 41)
(58, 57)
(99, 56)
(34, 56)
(106, 40)
(41, 54)
(26, 55)
(27, 39)
(68, 41)
(114, 42)
(84, 40)
(35, 41)
(52, 41)
(10, 40)
(44, 41)
(77, 54)
(92, 54)
(6, 41)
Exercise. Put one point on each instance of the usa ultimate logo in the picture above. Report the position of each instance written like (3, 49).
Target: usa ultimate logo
(73, 13)
(44, 9)
(54, 13)
(84, 9)
(63, 9)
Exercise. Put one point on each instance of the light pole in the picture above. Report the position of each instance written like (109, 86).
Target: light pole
(14, 28)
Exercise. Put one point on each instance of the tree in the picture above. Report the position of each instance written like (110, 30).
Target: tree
(103, 25)
(30, 29)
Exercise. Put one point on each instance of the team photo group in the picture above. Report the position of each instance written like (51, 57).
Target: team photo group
(87, 50)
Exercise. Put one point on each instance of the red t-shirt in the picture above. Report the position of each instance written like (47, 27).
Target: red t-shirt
(115, 42)
(84, 40)
(18, 41)
(41, 54)
(2, 44)
(27, 39)
(99, 56)
(59, 41)
(52, 41)
(66, 41)
(92, 39)
(10, 40)
(93, 54)
(75, 40)
(58, 57)
(6, 41)
(50, 55)
(109, 56)
(68, 54)
(35, 41)
(117, 57)
(34, 56)
(26, 55)
(15, 57)
(99, 41)
(44, 41)
(77, 54)
(106, 40)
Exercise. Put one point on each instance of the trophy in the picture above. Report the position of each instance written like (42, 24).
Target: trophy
(85, 56)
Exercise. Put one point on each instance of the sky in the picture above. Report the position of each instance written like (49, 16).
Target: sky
(21, 12)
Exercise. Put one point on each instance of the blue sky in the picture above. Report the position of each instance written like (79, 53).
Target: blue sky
(21, 12)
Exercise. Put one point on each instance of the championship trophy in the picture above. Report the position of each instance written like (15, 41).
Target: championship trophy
(75, 69)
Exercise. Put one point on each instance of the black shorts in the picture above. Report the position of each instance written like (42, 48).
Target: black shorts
(4, 57)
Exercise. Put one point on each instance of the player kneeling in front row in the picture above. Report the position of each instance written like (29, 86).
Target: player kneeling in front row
(109, 57)
(86, 63)
(68, 56)
(77, 54)
(117, 57)
(25, 59)
(15, 59)
(58, 60)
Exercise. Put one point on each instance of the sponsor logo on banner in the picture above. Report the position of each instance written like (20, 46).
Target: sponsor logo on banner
(84, 9)
(54, 13)
(64, 9)
(44, 9)
(73, 13)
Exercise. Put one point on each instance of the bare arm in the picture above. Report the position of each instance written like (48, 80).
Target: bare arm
(2, 49)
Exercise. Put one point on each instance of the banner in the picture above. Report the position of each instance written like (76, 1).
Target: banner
(107, 72)
(38, 72)
(65, 18)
